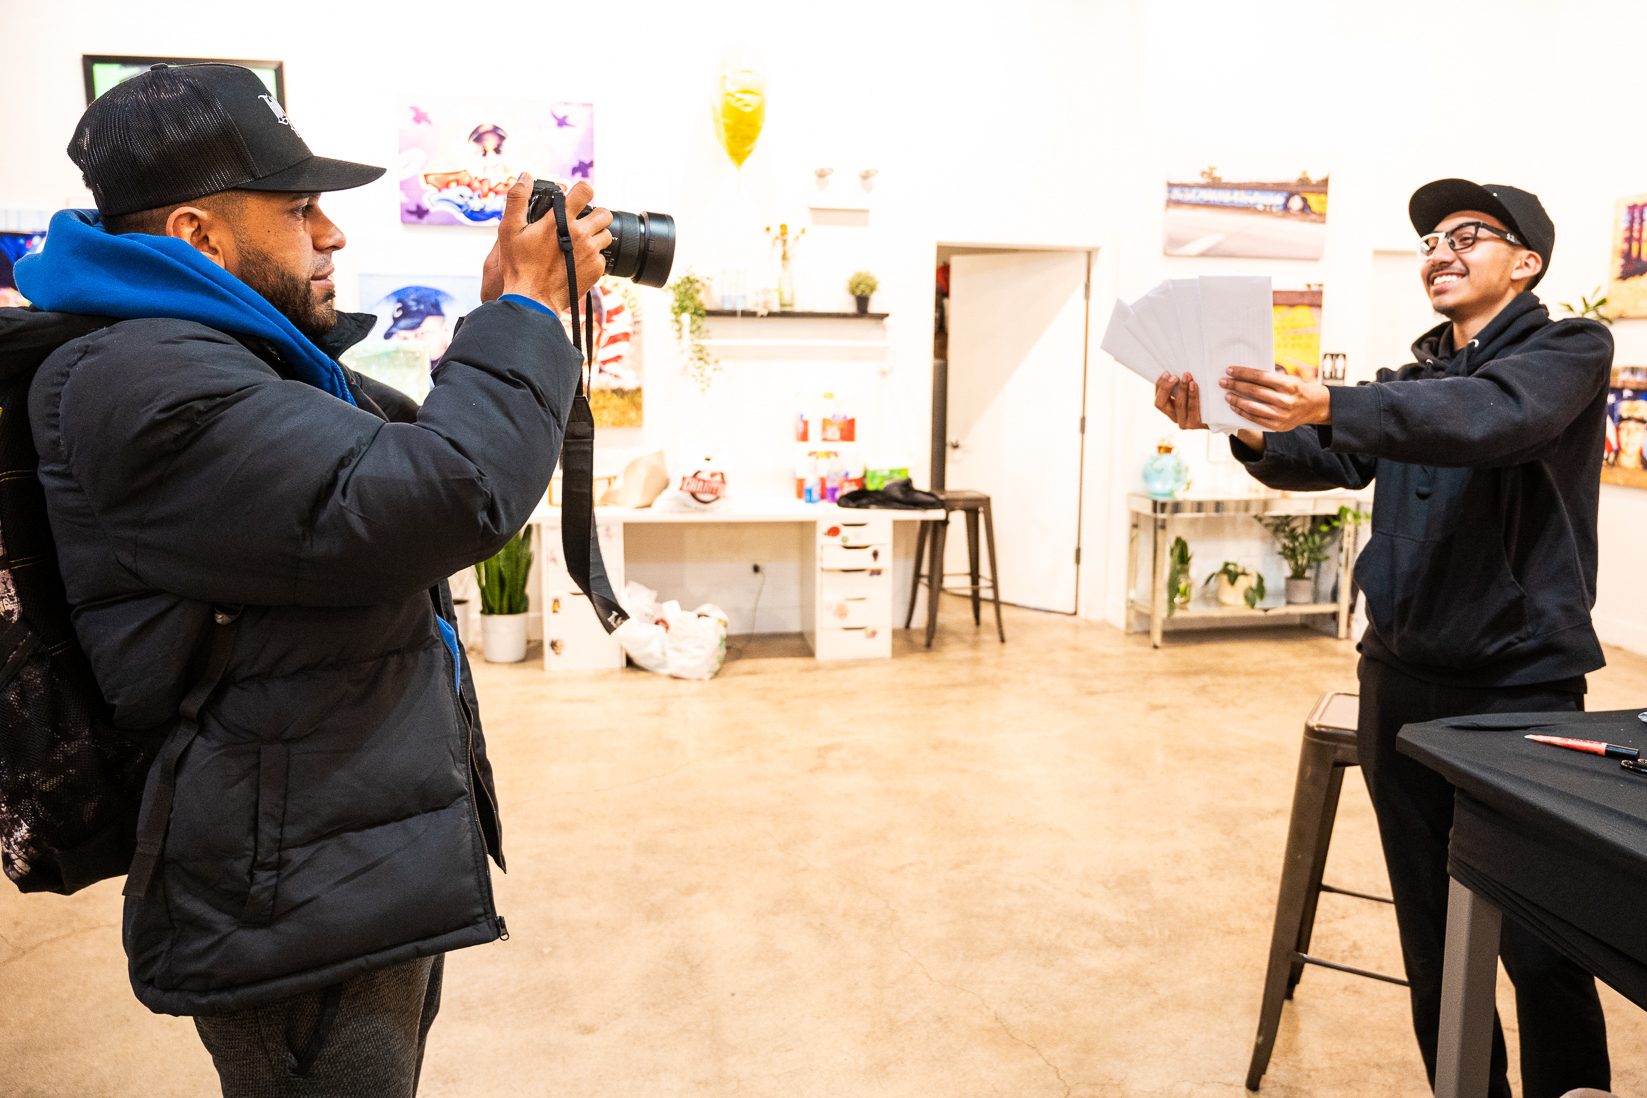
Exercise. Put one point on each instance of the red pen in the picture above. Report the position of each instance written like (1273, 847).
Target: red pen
(1594, 747)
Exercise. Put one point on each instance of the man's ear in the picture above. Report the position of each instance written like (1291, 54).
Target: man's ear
(202, 230)
(1527, 265)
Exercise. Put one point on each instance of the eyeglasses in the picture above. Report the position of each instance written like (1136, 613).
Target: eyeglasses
(1461, 238)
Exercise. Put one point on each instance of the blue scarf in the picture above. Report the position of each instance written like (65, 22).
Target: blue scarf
(135, 276)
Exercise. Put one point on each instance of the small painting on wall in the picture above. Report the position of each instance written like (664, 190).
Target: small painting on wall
(1267, 218)
(14, 246)
(1297, 325)
(1627, 273)
(415, 318)
(459, 156)
(616, 385)
(102, 71)
(1624, 458)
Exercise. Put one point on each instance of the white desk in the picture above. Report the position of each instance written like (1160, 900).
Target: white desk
(845, 558)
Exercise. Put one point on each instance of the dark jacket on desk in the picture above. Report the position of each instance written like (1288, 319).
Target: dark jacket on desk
(335, 811)
(1481, 567)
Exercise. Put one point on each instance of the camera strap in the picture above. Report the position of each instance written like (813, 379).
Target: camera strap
(579, 539)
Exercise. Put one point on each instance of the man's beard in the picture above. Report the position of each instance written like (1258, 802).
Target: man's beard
(293, 296)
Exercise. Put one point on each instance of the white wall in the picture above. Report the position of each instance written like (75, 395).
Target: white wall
(1050, 122)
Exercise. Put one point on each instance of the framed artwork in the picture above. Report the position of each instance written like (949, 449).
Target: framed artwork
(1297, 325)
(104, 71)
(458, 156)
(616, 384)
(1627, 273)
(1624, 454)
(1273, 217)
(416, 315)
(14, 246)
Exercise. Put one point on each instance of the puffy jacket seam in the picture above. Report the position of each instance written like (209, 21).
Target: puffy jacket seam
(324, 668)
(129, 564)
(374, 825)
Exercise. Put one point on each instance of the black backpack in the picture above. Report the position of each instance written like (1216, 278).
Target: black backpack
(70, 783)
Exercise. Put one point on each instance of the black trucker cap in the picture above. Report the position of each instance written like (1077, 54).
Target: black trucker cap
(180, 132)
(1520, 211)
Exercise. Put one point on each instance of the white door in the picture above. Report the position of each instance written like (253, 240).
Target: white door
(1017, 371)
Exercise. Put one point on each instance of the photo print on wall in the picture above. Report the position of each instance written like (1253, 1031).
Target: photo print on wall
(1274, 218)
(1624, 458)
(1627, 273)
(14, 246)
(1297, 323)
(459, 156)
(616, 383)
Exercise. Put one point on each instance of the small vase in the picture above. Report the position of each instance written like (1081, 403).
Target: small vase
(503, 637)
(862, 301)
(786, 288)
(1233, 594)
(1300, 590)
(1165, 473)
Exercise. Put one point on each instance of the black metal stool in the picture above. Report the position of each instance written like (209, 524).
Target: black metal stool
(974, 504)
(1329, 747)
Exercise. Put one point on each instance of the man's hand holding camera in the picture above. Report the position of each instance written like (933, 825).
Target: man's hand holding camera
(527, 260)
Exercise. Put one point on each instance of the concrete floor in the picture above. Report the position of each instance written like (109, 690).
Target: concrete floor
(1044, 868)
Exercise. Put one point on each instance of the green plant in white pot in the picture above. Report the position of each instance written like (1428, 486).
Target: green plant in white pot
(503, 600)
(1237, 585)
(1303, 541)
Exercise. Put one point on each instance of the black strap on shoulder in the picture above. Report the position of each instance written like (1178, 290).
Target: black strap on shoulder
(161, 788)
(579, 540)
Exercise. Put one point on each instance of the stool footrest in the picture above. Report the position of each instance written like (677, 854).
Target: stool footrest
(1357, 895)
(1351, 969)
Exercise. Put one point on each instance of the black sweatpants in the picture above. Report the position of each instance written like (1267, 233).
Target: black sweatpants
(1563, 1034)
(363, 1037)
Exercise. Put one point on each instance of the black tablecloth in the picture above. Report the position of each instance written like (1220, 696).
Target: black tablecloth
(1552, 837)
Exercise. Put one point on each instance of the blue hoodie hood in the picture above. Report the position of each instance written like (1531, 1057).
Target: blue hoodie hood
(136, 276)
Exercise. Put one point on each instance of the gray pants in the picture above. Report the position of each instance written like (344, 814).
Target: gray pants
(364, 1036)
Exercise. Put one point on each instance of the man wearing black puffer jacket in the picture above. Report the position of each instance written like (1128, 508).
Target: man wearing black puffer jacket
(258, 539)
(1480, 573)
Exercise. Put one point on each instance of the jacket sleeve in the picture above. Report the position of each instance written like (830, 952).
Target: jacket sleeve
(218, 480)
(1506, 413)
(1298, 461)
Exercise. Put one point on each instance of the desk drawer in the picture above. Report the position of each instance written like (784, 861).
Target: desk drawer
(869, 643)
(853, 556)
(869, 583)
(856, 531)
(854, 612)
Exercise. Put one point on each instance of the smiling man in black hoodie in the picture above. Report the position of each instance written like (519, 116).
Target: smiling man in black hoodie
(1480, 572)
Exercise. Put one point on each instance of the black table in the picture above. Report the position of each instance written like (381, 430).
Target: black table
(1556, 838)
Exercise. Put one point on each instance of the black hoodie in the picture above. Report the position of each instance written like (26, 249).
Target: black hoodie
(1481, 568)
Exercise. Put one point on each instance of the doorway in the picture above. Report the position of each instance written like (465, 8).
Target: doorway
(1009, 408)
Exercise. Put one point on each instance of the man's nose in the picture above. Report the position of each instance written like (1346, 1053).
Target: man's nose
(327, 236)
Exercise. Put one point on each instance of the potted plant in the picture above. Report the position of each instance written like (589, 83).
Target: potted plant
(503, 600)
(1303, 541)
(1237, 585)
(860, 286)
(1178, 576)
(691, 321)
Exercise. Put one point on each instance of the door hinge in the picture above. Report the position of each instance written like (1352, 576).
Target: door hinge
(1083, 428)
(1077, 554)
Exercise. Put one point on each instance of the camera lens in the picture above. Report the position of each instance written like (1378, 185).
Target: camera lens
(643, 247)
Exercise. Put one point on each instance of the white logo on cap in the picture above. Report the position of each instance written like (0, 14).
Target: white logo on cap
(279, 111)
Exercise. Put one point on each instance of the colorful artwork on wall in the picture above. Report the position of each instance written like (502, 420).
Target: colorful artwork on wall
(616, 386)
(1627, 273)
(14, 246)
(415, 318)
(102, 72)
(1297, 324)
(459, 156)
(1624, 458)
(1270, 219)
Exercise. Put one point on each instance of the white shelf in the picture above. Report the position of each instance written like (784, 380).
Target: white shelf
(864, 344)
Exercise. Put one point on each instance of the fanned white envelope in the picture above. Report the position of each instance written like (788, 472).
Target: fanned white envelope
(1199, 326)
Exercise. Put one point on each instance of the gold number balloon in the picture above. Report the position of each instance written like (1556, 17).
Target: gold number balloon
(740, 113)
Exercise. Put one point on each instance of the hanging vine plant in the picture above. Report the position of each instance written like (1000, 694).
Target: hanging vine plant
(691, 322)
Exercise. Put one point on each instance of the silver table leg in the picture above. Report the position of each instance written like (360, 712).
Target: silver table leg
(1158, 582)
(1464, 1049)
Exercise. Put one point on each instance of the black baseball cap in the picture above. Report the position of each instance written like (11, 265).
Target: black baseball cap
(179, 132)
(1520, 211)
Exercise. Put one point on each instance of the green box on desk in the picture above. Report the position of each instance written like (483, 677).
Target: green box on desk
(876, 479)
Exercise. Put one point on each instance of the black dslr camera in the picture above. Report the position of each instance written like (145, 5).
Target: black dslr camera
(643, 244)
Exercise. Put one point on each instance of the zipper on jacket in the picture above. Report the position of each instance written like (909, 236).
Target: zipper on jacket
(460, 707)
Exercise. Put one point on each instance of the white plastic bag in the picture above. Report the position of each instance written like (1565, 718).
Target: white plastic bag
(688, 644)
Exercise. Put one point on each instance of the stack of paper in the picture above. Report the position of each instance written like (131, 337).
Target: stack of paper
(1199, 326)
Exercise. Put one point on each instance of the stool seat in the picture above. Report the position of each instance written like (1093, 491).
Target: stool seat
(1329, 748)
(975, 506)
